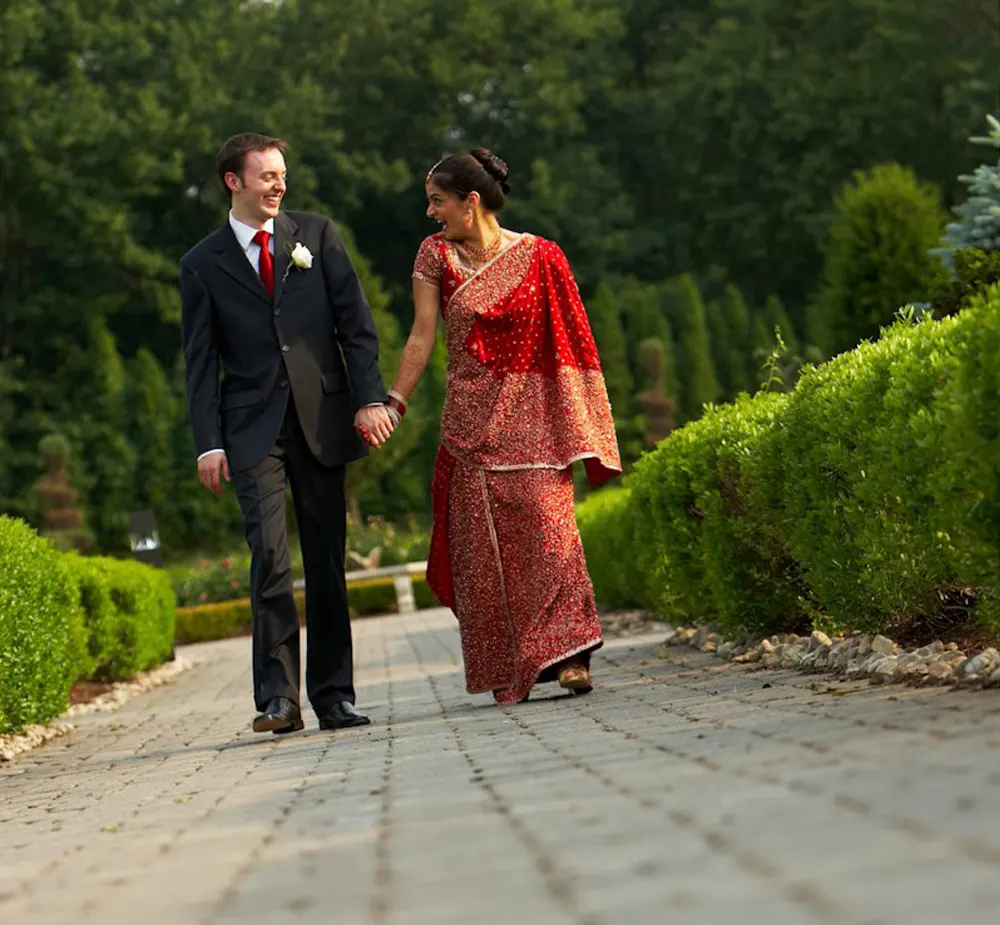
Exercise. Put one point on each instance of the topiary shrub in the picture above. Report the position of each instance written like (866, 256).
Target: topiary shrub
(699, 384)
(58, 501)
(877, 256)
(41, 628)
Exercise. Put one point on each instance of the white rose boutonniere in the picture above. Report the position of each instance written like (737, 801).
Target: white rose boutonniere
(299, 256)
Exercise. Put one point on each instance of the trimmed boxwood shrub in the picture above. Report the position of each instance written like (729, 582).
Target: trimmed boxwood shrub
(606, 534)
(205, 622)
(41, 628)
(862, 499)
(64, 617)
(128, 614)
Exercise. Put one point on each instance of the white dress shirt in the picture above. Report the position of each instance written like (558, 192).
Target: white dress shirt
(245, 235)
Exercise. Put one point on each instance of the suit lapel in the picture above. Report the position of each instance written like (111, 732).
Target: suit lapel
(284, 240)
(234, 262)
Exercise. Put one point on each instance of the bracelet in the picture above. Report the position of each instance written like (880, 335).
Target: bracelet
(394, 414)
(394, 394)
(396, 406)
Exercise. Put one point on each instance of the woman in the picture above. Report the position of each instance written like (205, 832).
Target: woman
(525, 399)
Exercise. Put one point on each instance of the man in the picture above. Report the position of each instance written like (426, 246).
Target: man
(298, 351)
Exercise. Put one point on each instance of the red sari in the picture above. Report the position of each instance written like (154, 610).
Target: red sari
(525, 399)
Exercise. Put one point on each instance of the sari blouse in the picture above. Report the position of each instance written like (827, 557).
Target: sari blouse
(525, 387)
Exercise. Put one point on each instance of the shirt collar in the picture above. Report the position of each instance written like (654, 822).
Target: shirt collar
(245, 233)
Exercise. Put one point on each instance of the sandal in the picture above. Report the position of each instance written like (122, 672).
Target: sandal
(576, 678)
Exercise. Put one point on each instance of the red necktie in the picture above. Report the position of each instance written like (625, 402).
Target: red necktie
(266, 262)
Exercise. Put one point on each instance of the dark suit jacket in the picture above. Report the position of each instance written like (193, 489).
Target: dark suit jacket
(297, 341)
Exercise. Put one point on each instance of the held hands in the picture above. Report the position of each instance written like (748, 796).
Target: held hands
(212, 469)
(375, 424)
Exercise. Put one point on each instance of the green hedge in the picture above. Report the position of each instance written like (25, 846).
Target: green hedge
(64, 617)
(205, 622)
(41, 627)
(129, 616)
(861, 499)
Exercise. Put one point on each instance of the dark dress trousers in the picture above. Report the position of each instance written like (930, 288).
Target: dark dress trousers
(295, 367)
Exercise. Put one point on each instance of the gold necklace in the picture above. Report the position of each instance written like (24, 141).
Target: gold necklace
(477, 256)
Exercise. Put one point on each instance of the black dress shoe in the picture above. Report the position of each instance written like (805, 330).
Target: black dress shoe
(342, 715)
(279, 716)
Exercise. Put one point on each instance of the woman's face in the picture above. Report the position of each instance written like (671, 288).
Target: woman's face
(448, 210)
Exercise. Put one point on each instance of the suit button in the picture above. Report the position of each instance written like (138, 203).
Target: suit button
(284, 383)
(284, 348)
(277, 312)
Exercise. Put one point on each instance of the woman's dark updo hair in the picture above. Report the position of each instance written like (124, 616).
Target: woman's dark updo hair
(478, 171)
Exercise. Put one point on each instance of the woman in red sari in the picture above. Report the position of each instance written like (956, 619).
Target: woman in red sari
(525, 399)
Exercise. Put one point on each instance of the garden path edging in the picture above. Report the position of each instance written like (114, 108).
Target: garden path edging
(854, 657)
(17, 743)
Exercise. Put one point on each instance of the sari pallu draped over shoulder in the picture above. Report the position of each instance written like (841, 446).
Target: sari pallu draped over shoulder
(525, 388)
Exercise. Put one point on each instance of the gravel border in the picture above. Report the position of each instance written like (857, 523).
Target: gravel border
(854, 657)
(616, 624)
(18, 743)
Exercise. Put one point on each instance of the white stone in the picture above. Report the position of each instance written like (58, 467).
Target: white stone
(884, 670)
(792, 656)
(983, 662)
(821, 639)
(939, 670)
(883, 645)
(841, 658)
(16, 743)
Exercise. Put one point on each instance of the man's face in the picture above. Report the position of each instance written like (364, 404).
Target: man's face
(257, 194)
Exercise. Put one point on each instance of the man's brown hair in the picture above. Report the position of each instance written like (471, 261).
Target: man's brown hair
(233, 154)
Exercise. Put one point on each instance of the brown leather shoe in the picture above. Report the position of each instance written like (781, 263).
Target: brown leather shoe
(279, 716)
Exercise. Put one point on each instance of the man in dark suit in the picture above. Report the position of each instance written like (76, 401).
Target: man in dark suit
(272, 298)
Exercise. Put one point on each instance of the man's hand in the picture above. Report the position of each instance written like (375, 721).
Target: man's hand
(212, 469)
(375, 424)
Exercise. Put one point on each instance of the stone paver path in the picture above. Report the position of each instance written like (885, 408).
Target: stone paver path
(682, 791)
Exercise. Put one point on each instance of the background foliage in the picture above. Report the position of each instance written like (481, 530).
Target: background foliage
(685, 154)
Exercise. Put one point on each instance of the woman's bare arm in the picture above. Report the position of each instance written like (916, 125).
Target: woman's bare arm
(420, 343)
